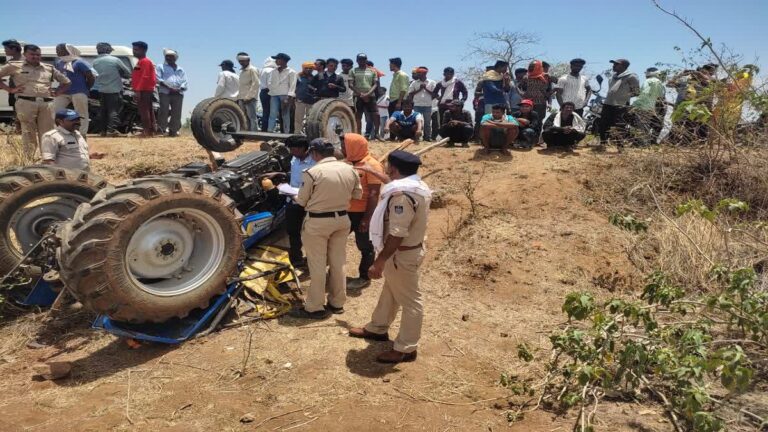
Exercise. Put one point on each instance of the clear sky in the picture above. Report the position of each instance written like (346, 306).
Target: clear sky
(430, 33)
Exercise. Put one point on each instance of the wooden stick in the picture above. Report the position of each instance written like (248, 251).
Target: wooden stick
(212, 160)
(431, 146)
(402, 146)
(280, 415)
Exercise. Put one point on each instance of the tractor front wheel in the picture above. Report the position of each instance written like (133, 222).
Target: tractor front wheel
(153, 249)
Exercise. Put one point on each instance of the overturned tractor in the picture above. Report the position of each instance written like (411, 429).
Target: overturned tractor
(158, 247)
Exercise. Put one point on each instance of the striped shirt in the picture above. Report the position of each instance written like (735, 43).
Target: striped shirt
(363, 79)
(574, 89)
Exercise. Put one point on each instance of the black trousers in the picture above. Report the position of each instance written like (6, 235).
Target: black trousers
(529, 136)
(392, 108)
(364, 245)
(110, 111)
(294, 218)
(460, 134)
(613, 116)
(555, 138)
(264, 98)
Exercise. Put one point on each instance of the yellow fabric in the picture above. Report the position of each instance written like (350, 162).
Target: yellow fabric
(272, 303)
(727, 112)
(492, 75)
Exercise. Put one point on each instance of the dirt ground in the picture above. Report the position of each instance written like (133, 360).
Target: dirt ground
(492, 280)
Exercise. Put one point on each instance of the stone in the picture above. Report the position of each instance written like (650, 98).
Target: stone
(53, 370)
(247, 418)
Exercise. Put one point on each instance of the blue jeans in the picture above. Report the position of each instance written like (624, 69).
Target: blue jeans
(275, 105)
(250, 112)
(426, 112)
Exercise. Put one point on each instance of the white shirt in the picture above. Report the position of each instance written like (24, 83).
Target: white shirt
(347, 96)
(422, 98)
(264, 77)
(66, 149)
(574, 89)
(249, 83)
(383, 105)
(228, 85)
(282, 82)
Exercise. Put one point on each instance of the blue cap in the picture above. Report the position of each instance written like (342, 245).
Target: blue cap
(68, 114)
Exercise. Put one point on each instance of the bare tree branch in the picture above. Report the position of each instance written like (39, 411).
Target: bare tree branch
(488, 47)
(707, 42)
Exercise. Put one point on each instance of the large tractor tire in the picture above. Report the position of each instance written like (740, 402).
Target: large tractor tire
(32, 199)
(152, 249)
(208, 122)
(327, 118)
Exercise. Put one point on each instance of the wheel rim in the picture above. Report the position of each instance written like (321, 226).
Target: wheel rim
(29, 223)
(335, 122)
(225, 115)
(175, 252)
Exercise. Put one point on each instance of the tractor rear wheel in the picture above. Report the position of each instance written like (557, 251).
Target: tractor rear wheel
(329, 117)
(152, 249)
(211, 121)
(32, 199)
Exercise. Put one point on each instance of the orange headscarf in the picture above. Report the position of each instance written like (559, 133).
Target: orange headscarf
(356, 147)
(537, 72)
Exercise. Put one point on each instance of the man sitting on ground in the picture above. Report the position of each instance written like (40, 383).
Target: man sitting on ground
(405, 124)
(564, 129)
(530, 124)
(498, 126)
(457, 124)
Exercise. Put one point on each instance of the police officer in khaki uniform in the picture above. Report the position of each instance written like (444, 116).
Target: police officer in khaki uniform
(325, 193)
(64, 145)
(34, 98)
(403, 212)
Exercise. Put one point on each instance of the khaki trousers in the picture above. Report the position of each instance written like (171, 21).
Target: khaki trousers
(301, 111)
(36, 118)
(79, 102)
(401, 289)
(325, 242)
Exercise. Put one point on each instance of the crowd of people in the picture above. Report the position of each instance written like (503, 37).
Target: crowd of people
(511, 108)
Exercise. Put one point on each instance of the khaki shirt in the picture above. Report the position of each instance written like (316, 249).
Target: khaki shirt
(36, 80)
(328, 186)
(66, 149)
(406, 217)
(249, 83)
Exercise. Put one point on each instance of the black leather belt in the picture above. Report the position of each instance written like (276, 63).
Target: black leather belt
(35, 99)
(327, 214)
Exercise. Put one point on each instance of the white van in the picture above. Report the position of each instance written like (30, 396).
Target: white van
(87, 53)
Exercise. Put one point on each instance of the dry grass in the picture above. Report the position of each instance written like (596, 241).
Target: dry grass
(686, 251)
(679, 174)
(14, 153)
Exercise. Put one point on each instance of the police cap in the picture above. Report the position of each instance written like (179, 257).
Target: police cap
(321, 145)
(402, 159)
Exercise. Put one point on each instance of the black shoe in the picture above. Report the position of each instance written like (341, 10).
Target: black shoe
(302, 313)
(334, 310)
(358, 283)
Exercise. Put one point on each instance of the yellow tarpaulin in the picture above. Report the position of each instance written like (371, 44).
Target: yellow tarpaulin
(268, 300)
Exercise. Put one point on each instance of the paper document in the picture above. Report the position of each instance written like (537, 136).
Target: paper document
(286, 189)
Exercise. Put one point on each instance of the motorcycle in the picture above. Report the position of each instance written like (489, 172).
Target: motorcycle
(129, 119)
(594, 109)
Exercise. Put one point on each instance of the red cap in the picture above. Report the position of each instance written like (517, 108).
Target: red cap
(526, 102)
